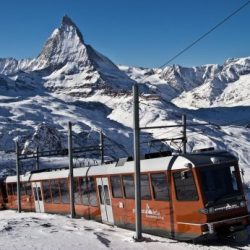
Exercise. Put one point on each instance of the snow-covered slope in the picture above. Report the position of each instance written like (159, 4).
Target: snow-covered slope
(229, 87)
(171, 81)
(70, 81)
(45, 231)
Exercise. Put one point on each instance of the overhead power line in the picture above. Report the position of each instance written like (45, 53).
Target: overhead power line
(195, 42)
(205, 34)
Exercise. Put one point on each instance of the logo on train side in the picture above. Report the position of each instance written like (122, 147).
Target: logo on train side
(227, 207)
(151, 213)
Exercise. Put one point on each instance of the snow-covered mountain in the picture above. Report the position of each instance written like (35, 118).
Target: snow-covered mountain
(228, 87)
(199, 87)
(66, 64)
(70, 81)
(67, 81)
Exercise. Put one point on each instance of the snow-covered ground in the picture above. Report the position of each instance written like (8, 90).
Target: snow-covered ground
(45, 231)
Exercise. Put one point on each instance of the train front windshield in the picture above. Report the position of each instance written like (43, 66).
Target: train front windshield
(220, 184)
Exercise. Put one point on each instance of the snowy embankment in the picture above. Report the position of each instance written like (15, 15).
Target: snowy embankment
(45, 231)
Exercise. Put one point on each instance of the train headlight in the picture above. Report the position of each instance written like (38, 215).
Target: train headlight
(242, 203)
(207, 210)
(215, 160)
(211, 210)
(203, 210)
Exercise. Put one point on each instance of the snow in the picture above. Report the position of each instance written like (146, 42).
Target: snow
(236, 93)
(45, 231)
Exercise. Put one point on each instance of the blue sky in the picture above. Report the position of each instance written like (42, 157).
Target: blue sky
(133, 32)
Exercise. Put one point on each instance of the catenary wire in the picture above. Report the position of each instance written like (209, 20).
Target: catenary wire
(206, 34)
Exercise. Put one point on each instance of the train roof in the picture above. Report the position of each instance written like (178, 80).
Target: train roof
(173, 162)
(208, 157)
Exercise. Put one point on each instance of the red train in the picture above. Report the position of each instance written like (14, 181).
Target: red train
(187, 197)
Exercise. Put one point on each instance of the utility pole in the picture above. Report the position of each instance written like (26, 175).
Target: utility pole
(101, 147)
(37, 158)
(184, 131)
(19, 208)
(138, 225)
(71, 174)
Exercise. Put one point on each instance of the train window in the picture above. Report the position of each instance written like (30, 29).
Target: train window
(22, 188)
(219, 184)
(160, 187)
(28, 189)
(46, 192)
(84, 191)
(55, 191)
(14, 188)
(92, 192)
(39, 193)
(129, 187)
(35, 194)
(106, 191)
(100, 194)
(64, 191)
(234, 181)
(9, 189)
(3, 192)
(77, 192)
(116, 186)
(145, 191)
(88, 191)
(185, 186)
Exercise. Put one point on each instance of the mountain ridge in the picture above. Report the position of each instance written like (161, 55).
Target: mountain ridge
(181, 84)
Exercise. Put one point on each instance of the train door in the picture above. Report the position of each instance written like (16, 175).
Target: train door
(39, 205)
(105, 201)
(186, 205)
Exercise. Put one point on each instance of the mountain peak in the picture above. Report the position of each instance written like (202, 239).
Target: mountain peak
(66, 20)
(64, 45)
(65, 53)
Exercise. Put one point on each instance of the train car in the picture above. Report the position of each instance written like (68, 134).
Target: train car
(27, 197)
(187, 197)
